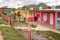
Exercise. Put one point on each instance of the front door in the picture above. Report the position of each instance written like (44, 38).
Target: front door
(44, 17)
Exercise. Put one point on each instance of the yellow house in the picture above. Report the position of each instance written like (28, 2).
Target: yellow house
(23, 14)
(16, 12)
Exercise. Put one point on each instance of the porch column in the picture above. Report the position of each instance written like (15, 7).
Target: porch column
(2, 16)
(40, 17)
(48, 18)
(54, 20)
(12, 21)
(8, 20)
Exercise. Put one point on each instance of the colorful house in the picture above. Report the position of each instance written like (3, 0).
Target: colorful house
(49, 16)
(24, 14)
(32, 14)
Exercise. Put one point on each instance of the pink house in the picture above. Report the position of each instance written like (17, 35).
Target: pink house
(48, 16)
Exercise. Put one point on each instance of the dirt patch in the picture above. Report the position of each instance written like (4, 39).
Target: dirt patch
(20, 24)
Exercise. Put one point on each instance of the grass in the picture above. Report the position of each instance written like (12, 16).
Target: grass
(2, 22)
(50, 34)
(24, 22)
(10, 33)
(34, 26)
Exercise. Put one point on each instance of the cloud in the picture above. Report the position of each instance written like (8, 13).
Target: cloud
(14, 3)
(46, 0)
(11, 3)
(1, 0)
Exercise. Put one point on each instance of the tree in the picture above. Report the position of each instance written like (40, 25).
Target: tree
(24, 7)
(42, 5)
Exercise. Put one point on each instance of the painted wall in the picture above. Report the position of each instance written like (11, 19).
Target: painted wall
(51, 18)
(44, 17)
(38, 15)
(57, 23)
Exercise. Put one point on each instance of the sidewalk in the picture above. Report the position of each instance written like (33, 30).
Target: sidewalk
(1, 37)
(44, 28)
(4, 25)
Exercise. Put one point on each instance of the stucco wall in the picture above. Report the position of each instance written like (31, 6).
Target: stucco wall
(51, 18)
(44, 17)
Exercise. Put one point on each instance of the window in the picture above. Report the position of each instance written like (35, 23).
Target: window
(58, 16)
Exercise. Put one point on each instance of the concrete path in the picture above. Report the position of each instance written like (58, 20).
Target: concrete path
(39, 27)
(1, 37)
(4, 25)
(44, 28)
(34, 35)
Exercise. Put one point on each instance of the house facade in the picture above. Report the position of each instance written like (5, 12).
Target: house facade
(49, 16)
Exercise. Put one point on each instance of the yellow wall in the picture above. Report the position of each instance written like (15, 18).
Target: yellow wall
(24, 13)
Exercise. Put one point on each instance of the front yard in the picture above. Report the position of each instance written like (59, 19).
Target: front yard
(2, 21)
(10, 33)
(49, 34)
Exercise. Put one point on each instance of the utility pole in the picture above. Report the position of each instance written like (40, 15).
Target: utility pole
(29, 28)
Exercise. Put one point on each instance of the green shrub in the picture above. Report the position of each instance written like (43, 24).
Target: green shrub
(2, 21)
(34, 26)
(24, 22)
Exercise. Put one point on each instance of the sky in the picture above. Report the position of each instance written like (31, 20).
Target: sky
(20, 3)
